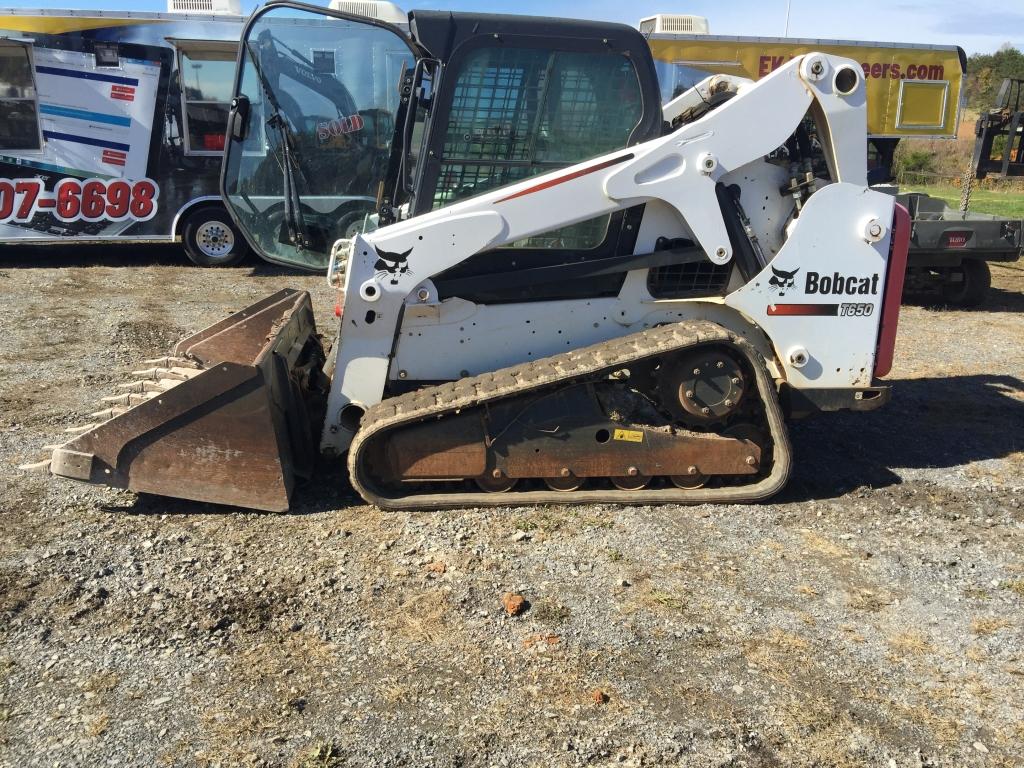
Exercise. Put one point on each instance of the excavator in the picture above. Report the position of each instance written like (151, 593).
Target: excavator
(568, 292)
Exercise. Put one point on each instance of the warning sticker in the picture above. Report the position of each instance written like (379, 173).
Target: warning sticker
(629, 435)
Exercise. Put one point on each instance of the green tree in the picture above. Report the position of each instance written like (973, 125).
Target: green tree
(986, 71)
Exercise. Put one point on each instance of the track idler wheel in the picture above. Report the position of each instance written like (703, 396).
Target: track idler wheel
(690, 481)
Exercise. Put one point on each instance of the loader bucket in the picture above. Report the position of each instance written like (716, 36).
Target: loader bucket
(232, 418)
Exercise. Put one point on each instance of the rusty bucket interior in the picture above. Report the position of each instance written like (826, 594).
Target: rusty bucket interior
(233, 417)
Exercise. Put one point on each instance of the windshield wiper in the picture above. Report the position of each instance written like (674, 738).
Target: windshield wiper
(294, 224)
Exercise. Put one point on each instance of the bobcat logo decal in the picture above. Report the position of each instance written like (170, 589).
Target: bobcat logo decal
(783, 280)
(393, 264)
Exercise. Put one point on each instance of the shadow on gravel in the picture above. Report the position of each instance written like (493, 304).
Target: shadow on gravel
(997, 300)
(113, 255)
(120, 255)
(328, 490)
(929, 423)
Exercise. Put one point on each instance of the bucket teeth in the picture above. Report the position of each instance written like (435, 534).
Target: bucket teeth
(171, 362)
(41, 467)
(129, 398)
(82, 428)
(176, 373)
(165, 373)
(159, 378)
(150, 385)
(109, 413)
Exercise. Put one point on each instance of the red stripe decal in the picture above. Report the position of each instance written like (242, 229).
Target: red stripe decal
(804, 310)
(568, 177)
(113, 157)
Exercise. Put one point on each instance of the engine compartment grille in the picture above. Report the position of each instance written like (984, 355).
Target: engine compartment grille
(687, 281)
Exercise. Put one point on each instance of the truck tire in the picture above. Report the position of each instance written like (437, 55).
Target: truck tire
(973, 289)
(351, 224)
(212, 240)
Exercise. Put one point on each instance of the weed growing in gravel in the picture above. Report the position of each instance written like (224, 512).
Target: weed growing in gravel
(1016, 586)
(422, 617)
(987, 625)
(97, 726)
(546, 520)
(910, 643)
(102, 682)
(663, 599)
(868, 600)
(550, 612)
(322, 755)
(976, 654)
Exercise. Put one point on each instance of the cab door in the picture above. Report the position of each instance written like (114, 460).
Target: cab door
(316, 100)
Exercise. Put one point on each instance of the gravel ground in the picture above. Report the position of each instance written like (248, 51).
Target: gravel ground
(870, 615)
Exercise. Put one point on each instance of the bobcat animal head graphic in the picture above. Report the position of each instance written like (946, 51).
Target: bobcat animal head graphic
(393, 264)
(783, 280)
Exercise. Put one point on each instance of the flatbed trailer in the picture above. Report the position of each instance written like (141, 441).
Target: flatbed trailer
(950, 250)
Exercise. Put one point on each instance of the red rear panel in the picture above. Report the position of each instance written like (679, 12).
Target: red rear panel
(899, 245)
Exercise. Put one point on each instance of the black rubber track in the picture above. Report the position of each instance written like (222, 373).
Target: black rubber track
(587, 362)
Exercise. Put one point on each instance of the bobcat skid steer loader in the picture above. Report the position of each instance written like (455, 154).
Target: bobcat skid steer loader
(573, 293)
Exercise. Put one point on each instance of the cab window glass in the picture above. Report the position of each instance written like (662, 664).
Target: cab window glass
(519, 112)
(322, 95)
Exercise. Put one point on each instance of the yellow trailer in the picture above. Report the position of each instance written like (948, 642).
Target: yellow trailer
(912, 90)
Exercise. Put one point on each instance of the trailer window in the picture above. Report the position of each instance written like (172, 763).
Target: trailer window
(207, 76)
(106, 55)
(518, 112)
(19, 116)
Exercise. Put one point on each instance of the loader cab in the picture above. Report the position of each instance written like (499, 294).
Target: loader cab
(461, 105)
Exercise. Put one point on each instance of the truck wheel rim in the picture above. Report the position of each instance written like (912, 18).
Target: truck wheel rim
(214, 239)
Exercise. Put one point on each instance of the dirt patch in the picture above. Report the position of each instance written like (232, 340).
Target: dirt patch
(144, 335)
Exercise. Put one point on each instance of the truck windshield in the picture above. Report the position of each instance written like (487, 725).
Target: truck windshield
(304, 166)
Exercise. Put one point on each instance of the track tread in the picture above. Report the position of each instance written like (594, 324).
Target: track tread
(471, 391)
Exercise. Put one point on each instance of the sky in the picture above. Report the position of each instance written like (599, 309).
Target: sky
(978, 27)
